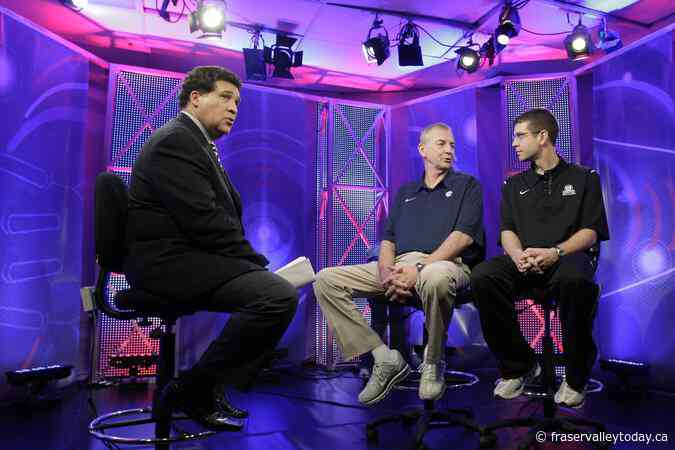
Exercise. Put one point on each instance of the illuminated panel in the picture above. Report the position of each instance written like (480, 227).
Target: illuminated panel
(531, 319)
(124, 341)
(350, 191)
(552, 94)
(141, 103)
(319, 347)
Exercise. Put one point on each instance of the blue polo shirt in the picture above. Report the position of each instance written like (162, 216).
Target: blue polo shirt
(420, 219)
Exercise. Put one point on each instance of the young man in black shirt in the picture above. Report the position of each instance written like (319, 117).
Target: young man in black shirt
(551, 215)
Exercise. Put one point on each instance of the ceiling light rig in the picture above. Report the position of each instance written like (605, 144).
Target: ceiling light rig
(210, 18)
(468, 57)
(609, 40)
(282, 57)
(509, 23)
(376, 48)
(409, 50)
(578, 43)
(254, 58)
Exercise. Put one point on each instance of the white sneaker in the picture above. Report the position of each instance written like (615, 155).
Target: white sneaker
(385, 376)
(432, 381)
(566, 396)
(513, 387)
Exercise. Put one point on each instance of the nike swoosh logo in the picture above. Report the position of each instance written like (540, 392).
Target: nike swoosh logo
(524, 192)
(409, 199)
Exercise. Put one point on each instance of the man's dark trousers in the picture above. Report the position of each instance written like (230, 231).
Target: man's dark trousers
(262, 305)
(495, 285)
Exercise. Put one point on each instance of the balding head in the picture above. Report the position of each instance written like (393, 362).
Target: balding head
(424, 135)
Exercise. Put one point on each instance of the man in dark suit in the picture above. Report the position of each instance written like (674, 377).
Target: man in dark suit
(186, 243)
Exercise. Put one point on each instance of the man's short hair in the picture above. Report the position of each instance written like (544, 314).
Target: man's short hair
(428, 128)
(540, 119)
(203, 79)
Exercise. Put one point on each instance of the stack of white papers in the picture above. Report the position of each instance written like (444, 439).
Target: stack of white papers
(298, 272)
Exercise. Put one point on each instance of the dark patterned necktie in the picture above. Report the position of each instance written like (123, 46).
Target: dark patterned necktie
(228, 183)
(214, 149)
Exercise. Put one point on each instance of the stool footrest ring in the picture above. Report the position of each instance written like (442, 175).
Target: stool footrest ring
(98, 426)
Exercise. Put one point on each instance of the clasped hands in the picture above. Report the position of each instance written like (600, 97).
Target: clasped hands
(398, 282)
(535, 260)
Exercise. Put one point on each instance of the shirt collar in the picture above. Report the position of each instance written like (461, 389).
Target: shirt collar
(200, 126)
(445, 181)
(532, 174)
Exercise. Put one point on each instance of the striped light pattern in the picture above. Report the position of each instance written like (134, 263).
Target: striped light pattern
(351, 198)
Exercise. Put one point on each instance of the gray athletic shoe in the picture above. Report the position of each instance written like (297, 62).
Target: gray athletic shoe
(513, 387)
(385, 376)
(566, 396)
(432, 381)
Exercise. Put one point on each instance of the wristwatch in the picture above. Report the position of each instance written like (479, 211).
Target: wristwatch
(420, 265)
(559, 251)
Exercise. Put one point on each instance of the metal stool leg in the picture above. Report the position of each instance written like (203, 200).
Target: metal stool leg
(161, 418)
(165, 370)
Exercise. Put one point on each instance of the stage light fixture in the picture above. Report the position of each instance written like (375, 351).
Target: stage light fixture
(468, 59)
(38, 375)
(578, 43)
(609, 40)
(254, 59)
(409, 50)
(209, 18)
(283, 57)
(376, 48)
(509, 24)
(77, 5)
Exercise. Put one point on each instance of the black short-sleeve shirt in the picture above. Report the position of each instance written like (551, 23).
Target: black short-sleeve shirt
(420, 219)
(545, 210)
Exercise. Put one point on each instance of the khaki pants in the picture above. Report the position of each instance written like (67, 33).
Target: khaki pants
(436, 286)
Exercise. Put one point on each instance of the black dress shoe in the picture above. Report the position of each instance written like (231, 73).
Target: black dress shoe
(223, 404)
(215, 421)
(175, 397)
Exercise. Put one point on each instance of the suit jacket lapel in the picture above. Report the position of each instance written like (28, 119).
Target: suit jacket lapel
(234, 194)
(230, 192)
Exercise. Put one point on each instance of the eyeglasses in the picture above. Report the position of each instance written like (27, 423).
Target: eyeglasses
(520, 136)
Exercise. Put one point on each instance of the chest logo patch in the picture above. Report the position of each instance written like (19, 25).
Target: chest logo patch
(448, 194)
(568, 190)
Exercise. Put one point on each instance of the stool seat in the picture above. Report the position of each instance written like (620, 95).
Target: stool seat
(143, 303)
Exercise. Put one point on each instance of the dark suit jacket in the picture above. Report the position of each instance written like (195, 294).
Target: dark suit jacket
(184, 233)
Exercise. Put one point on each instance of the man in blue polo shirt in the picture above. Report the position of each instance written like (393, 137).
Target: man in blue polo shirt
(433, 237)
(551, 215)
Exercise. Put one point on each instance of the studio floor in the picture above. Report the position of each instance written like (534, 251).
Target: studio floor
(313, 410)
